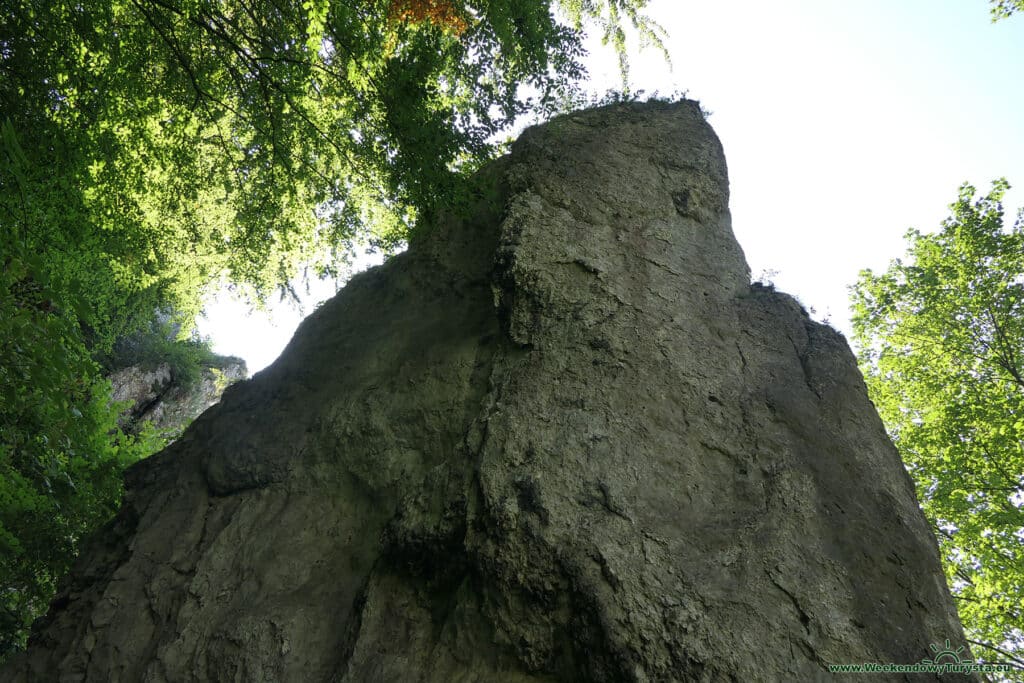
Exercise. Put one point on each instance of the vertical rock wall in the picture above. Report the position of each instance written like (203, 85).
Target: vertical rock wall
(158, 397)
(562, 440)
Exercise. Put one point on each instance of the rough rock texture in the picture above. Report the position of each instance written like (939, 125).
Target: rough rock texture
(157, 398)
(562, 440)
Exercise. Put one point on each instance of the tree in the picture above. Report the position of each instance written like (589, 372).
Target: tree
(1001, 9)
(61, 451)
(941, 344)
(153, 149)
(252, 135)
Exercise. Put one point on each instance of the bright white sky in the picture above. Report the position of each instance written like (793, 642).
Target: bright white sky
(844, 124)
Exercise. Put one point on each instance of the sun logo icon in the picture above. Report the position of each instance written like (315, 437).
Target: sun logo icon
(946, 655)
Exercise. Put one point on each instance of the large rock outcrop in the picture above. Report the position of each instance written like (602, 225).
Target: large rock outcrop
(561, 440)
(155, 396)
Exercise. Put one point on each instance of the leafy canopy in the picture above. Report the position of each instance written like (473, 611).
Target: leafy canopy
(1002, 9)
(941, 344)
(249, 136)
(61, 450)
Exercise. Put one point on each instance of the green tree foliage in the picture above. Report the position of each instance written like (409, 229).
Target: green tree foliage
(152, 149)
(61, 452)
(250, 135)
(1001, 9)
(941, 340)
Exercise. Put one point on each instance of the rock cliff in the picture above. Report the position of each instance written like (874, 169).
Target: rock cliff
(158, 397)
(561, 440)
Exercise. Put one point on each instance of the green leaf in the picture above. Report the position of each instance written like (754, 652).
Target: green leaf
(940, 339)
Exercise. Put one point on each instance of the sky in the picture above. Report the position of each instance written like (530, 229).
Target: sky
(844, 124)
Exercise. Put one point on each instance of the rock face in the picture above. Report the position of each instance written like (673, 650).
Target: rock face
(561, 440)
(156, 397)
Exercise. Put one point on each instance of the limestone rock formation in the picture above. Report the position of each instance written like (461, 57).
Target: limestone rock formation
(561, 440)
(158, 397)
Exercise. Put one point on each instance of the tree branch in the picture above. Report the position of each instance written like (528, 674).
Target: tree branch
(1017, 661)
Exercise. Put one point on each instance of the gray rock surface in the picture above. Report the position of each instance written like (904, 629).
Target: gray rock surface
(155, 396)
(562, 440)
